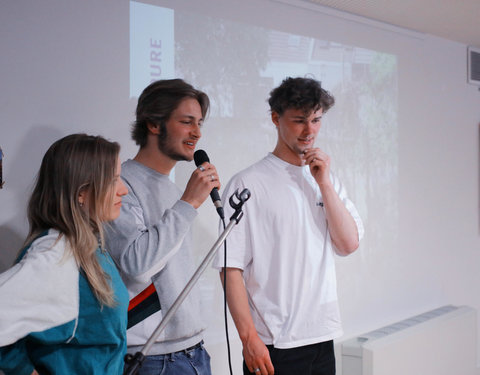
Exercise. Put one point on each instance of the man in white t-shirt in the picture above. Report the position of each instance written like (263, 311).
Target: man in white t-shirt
(280, 269)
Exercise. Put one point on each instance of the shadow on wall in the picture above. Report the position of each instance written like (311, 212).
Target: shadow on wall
(10, 243)
(22, 168)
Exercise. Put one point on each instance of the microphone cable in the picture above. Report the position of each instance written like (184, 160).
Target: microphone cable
(225, 299)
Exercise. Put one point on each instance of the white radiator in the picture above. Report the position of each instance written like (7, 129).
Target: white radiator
(439, 342)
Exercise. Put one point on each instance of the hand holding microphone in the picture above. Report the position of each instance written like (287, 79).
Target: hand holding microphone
(204, 181)
(200, 158)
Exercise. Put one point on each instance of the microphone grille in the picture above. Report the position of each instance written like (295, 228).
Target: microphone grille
(200, 157)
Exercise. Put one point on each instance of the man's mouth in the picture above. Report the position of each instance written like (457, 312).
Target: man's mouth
(306, 139)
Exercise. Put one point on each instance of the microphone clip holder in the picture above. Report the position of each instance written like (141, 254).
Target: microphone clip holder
(237, 206)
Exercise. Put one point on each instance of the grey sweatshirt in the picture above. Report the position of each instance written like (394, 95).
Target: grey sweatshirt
(151, 241)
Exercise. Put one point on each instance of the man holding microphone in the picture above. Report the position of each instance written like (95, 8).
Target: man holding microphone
(151, 241)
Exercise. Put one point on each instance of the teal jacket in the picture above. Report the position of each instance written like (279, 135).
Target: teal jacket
(51, 321)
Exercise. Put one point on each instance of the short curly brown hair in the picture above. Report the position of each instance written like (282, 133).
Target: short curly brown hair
(300, 93)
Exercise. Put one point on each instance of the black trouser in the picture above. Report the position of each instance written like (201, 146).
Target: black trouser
(316, 359)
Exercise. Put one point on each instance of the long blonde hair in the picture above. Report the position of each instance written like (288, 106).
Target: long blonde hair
(75, 164)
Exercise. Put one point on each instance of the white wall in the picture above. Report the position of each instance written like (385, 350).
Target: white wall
(65, 69)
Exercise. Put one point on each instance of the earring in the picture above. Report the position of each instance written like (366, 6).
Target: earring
(81, 204)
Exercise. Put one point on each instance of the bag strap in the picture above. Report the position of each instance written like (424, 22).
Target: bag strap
(143, 305)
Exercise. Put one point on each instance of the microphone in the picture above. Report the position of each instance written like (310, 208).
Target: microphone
(201, 157)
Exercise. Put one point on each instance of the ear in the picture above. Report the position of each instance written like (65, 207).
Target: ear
(82, 197)
(153, 129)
(275, 118)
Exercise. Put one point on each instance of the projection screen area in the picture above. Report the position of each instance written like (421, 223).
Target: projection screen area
(242, 63)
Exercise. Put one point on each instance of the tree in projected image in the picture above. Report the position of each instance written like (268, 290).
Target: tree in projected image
(225, 59)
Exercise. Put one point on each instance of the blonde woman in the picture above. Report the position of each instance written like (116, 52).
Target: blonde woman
(64, 305)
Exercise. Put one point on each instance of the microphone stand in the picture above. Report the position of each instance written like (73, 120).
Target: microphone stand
(134, 362)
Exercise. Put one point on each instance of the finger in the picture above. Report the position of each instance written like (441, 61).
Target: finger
(209, 180)
(251, 367)
(208, 170)
(269, 367)
(318, 157)
(251, 363)
(313, 159)
(263, 370)
(211, 169)
(265, 366)
(204, 166)
(310, 151)
(212, 177)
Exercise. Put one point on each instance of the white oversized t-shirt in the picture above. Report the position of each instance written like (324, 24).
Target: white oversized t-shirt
(283, 246)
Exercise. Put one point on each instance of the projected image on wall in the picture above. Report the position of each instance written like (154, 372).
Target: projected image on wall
(238, 64)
